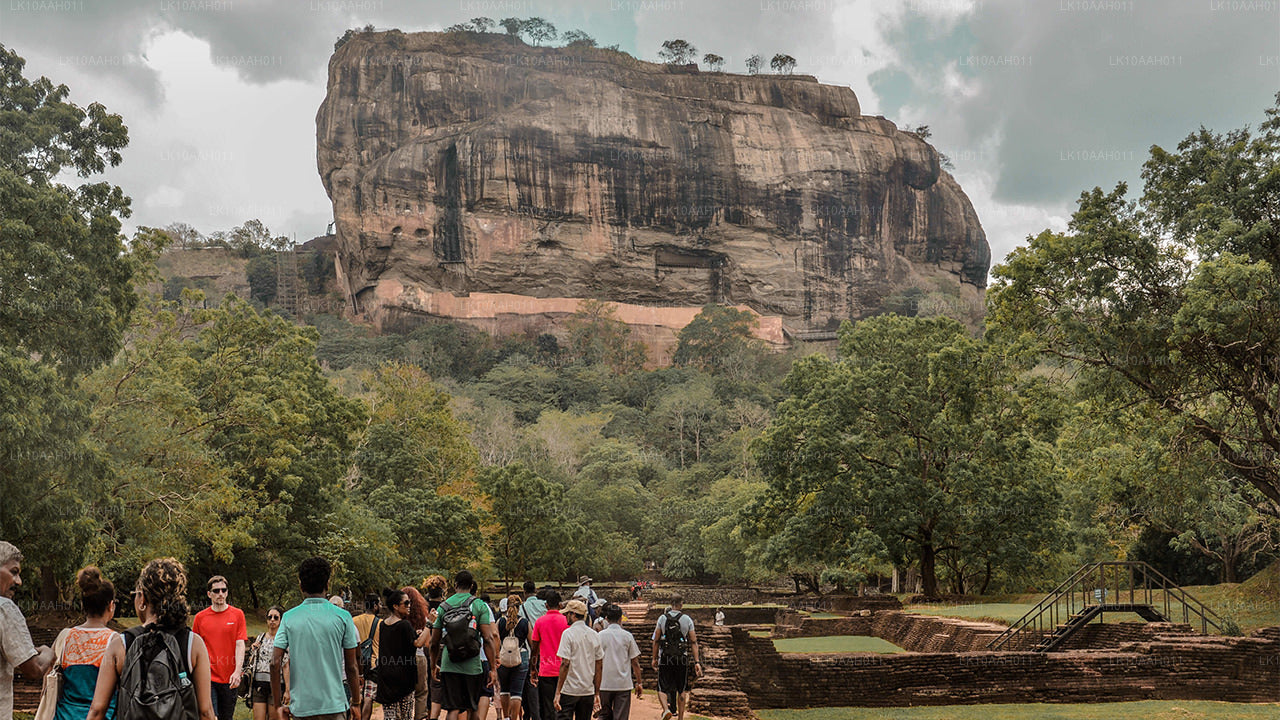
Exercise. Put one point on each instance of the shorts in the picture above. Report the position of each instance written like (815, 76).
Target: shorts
(461, 692)
(370, 689)
(673, 678)
(511, 680)
(260, 692)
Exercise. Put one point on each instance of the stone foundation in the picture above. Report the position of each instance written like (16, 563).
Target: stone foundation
(1169, 668)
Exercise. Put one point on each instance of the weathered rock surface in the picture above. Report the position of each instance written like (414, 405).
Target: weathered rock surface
(473, 167)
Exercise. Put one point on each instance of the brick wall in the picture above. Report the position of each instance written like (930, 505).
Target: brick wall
(1171, 668)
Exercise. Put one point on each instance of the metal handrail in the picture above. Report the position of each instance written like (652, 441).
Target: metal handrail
(1066, 590)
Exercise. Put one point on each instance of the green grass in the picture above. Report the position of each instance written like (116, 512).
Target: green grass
(836, 644)
(1145, 710)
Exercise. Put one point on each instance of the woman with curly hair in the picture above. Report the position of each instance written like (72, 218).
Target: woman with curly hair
(161, 601)
(418, 611)
(434, 587)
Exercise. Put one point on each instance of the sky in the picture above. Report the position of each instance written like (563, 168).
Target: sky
(1034, 101)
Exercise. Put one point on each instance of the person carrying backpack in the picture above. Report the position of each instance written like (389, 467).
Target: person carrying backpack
(464, 630)
(367, 624)
(675, 650)
(513, 658)
(160, 668)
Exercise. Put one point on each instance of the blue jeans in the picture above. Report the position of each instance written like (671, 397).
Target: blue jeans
(224, 700)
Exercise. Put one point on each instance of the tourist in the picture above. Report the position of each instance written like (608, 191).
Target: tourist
(720, 617)
(513, 635)
(434, 586)
(81, 649)
(490, 693)
(418, 611)
(16, 649)
(222, 628)
(260, 654)
(597, 609)
(581, 657)
(366, 622)
(545, 641)
(531, 609)
(160, 599)
(620, 672)
(465, 625)
(338, 602)
(321, 641)
(397, 658)
(587, 594)
(675, 643)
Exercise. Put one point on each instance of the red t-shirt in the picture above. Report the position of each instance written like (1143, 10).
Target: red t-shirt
(547, 632)
(220, 631)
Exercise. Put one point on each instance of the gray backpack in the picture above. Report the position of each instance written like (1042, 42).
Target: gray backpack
(155, 683)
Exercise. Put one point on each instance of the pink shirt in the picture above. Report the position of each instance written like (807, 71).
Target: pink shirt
(547, 632)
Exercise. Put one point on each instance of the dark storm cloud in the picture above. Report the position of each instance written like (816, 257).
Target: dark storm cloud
(1078, 90)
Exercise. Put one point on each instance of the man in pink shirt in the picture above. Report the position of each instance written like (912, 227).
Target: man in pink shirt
(545, 639)
(223, 630)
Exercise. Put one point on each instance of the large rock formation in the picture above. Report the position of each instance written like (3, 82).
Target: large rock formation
(473, 176)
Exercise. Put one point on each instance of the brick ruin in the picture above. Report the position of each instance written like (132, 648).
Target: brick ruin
(946, 663)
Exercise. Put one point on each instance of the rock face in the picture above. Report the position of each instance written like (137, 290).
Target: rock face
(473, 176)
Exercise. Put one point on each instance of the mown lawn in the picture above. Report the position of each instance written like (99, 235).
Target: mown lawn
(1145, 710)
(836, 644)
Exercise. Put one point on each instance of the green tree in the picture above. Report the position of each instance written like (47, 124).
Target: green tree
(482, 24)
(713, 62)
(67, 289)
(578, 38)
(262, 273)
(917, 436)
(538, 30)
(718, 339)
(782, 63)
(513, 26)
(532, 523)
(596, 336)
(1173, 300)
(753, 65)
(677, 52)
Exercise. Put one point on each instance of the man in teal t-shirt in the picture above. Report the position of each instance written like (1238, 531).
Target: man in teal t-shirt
(321, 640)
(463, 680)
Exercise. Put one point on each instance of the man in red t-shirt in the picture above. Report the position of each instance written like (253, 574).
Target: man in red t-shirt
(545, 639)
(223, 630)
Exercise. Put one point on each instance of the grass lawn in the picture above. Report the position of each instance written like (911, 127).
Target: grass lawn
(836, 644)
(1145, 710)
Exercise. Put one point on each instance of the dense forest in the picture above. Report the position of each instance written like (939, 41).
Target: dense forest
(1121, 403)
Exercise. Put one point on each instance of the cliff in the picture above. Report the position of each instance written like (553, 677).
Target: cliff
(478, 178)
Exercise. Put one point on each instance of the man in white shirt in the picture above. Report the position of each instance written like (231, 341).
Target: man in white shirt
(581, 662)
(620, 673)
(588, 596)
(16, 648)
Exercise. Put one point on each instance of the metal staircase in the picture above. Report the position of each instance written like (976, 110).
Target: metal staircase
(1099, 588)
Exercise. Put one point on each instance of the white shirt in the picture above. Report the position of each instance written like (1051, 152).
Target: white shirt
(580, 645)
(15, 649)
(620, 649)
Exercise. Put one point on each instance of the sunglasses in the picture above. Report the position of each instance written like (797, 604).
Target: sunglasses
(220, 591)
(274, 617)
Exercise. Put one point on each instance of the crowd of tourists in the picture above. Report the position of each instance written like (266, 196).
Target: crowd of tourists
(442, 651)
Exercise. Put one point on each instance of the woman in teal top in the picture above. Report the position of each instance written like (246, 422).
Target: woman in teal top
(84, 646)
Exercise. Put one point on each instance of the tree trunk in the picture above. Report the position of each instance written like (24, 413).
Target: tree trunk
(928, 568)
(986, 579)
(48, 585)
(253, 595)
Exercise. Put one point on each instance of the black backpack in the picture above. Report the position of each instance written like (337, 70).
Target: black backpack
(675, 644)
(156, 682)
(365, 649)
(461, 637)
